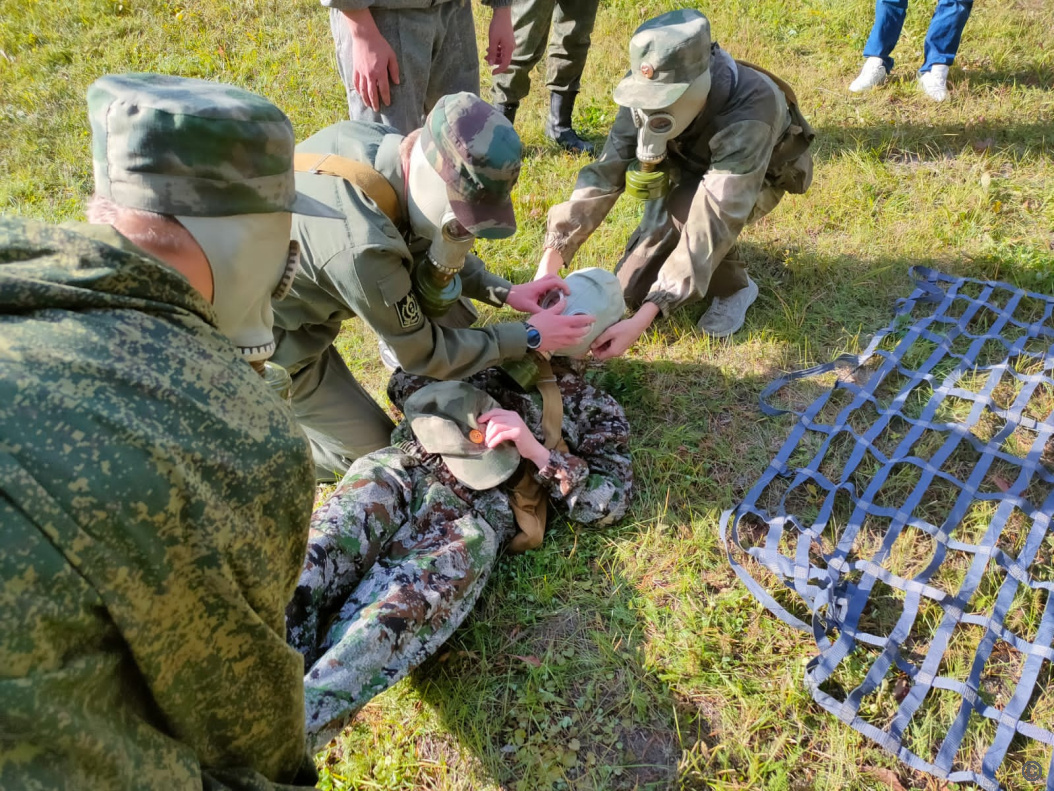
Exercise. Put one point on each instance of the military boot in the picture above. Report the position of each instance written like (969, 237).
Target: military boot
(508, 109)
(558, 127)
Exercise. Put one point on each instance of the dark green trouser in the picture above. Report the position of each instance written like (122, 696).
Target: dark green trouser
(572, 24)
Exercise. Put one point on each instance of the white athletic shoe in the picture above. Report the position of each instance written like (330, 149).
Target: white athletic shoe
(727, 314)
(871, 76)
(934, 83)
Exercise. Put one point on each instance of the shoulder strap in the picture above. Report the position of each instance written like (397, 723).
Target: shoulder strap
(528, 498)
(792, 98)
(373, 184)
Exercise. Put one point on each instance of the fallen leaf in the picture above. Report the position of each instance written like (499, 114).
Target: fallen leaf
(530, 660)
(886, 776)
(900, 689)
(1002, 483)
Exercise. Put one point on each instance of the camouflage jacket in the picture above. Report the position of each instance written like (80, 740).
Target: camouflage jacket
(154, 506)
(725, 150)
(361, 267)
(591, 484)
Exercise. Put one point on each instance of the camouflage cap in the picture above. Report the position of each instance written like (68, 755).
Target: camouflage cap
(444, 418)
(175, 145)
(477, 152)
(666, 55)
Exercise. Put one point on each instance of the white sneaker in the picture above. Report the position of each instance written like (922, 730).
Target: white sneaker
(871, 76)
(934, 83)
(727, 314)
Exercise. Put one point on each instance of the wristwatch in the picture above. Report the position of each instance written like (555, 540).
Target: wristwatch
(534, 338)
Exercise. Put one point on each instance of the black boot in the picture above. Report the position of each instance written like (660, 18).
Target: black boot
(558, 127)
(508, 109)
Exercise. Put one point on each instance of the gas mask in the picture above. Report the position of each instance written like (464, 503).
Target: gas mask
(435, 277)
(655, 129)
(253, 261)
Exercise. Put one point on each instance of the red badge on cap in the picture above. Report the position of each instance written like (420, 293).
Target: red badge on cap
(476, 436)
(647, 70)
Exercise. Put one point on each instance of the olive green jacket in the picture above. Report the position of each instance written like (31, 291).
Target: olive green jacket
(361, 267)
(154, 503)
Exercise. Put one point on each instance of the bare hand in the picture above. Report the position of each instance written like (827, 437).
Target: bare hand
(558, 331)
(373, 60)
(504, 425)
(502, 41)
(528, 297)
(616, 339)
(550, 263)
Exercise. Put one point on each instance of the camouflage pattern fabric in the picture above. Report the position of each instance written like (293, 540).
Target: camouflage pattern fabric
(723, 156)
(175, 145)
(666, 54)
(154, 501)
(400, 552)
(478, 154)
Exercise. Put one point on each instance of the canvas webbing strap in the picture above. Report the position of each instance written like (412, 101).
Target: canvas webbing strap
(529, 499)
(373, 184)
(950, 405)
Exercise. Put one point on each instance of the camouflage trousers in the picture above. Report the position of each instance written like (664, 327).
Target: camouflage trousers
(572, 27)
(395, 562)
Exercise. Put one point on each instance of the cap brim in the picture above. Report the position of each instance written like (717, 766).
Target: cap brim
(493, 467)
(487, 219)
(311, 207)
(635, 91)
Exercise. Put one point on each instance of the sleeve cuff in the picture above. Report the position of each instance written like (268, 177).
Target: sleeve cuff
(347, 5)
(512, 339)
(663, 300)
(492, 4)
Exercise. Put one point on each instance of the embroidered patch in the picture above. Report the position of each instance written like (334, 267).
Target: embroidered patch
(409, 311)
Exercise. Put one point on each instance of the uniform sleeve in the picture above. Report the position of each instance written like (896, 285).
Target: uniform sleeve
(595, 481)
(597, 188)
(478, 283)
(374, 283)
(347, 5)
(720, 208)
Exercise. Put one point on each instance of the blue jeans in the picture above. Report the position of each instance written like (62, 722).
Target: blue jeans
(942, 39)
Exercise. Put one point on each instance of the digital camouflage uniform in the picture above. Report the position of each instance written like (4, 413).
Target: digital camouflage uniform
(435, 46)
(361, 267)
(728, 177)
(572, 26)
(400, 552)
(154, 499)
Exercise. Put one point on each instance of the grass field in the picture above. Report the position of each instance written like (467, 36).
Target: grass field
(631, 658)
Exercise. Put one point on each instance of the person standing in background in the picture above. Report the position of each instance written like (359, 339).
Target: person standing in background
(942, 43)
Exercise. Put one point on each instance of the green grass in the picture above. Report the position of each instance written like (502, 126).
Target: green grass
(632, 658)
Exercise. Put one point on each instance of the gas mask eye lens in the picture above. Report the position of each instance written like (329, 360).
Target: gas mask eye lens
(660, 124)
(454, 231)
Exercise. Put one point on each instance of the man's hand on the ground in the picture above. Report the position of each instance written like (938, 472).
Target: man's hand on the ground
(558, 331)
(550, 263)
(502, 41)
(373, 60)
(528, 297)
(616, 340)
(503, 425)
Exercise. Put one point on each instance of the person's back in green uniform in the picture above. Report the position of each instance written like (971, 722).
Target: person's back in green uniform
(154, 494)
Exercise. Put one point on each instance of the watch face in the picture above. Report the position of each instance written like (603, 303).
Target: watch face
(534, 338)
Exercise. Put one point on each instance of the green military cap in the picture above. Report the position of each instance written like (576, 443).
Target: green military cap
(175, 145)
(666, 55)
(477, 152)
(444, 416)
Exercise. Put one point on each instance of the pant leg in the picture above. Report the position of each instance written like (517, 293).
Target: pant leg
(572, 30)
(945, 32)
(731, 274)
(889, 21)
(531, 20)
(405, 607)
(651, 244)
(340, 419)
(454, 64)
(410, 34)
